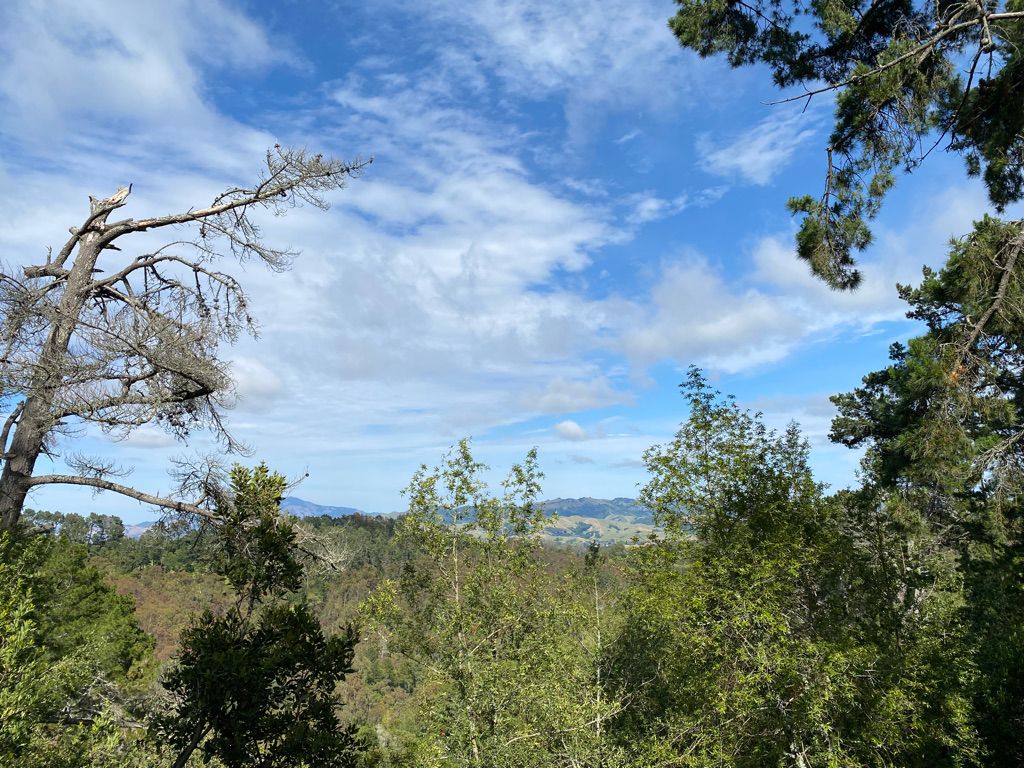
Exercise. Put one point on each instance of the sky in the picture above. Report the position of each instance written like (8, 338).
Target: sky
(565, 211)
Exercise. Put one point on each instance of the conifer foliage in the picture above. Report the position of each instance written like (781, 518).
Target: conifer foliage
(759, 631)
(256, 685)
(908, 77)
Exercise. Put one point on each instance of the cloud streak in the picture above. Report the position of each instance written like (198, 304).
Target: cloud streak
(480, 278)
(760, 153)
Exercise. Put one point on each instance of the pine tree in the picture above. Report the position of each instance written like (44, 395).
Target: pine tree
(895, 69)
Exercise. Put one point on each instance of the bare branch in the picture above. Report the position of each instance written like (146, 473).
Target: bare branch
(93, 466)
(180, 507)
(12, 419)
(290, 174)
(140, 343)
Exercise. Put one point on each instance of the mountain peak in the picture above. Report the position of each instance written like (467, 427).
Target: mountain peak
(302, 508)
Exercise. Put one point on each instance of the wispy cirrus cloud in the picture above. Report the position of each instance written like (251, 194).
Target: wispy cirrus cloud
(477, 280)
(546, 48)
(758, 154)
(126, 78)
(645, 207)
(594, 57)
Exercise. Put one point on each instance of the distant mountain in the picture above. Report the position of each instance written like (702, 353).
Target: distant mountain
(581, 521)
(600, 509)
(135, 530)
(302, 508)
(578, 521)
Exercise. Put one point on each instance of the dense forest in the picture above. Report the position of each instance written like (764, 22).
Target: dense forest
(767, 620)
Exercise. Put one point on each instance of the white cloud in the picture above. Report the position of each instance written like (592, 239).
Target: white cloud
(629, 464)
(771, 304)
(647, 206)
(897, 257)
(561, 395)
(432, 267)
(695, 316)
(423, 302)
(587, 187)
(559, 46)
(257, 385)
(122, 79)
(758, 154)
(570, 430)
(147, 438)
(598, 57)
(813, 413)
(448, 292)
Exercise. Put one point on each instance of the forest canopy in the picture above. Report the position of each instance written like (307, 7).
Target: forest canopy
(758, 618)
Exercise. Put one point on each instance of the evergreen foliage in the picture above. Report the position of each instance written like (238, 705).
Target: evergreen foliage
(732, 640)
(256, 685)
(73, 661)
(895, 68)
(943, 430)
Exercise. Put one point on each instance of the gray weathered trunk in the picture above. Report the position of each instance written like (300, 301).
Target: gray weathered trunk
(136, 344)
(36, 419)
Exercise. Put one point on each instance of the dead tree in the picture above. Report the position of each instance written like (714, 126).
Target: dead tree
(137, 343)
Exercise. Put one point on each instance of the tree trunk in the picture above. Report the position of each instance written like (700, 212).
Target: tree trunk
(197, 736)
(21, 459)
(36, 419)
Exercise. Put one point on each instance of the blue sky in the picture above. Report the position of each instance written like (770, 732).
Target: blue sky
(565, 210)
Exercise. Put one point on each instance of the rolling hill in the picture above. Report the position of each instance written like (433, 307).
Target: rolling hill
(576, 521)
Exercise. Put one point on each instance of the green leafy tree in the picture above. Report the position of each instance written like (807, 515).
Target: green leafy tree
(175, 544)
(507, 681)
(84, 616)
(95, 530)
(943, 430)
(260, 691)
(907, 77)
(71, 657)
(256, 685)
(747, 635)
(105, 529)
(24, 679)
